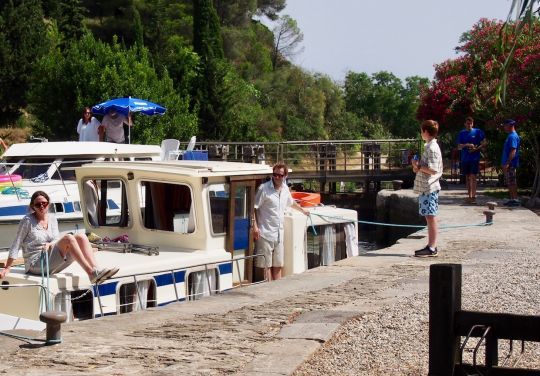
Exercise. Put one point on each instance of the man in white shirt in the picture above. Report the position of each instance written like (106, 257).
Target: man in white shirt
(271, 201)
(113, 125)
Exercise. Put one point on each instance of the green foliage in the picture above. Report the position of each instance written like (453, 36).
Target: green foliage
(383, 100)
(22, 42)
(249, 49)
(89, 72)
(70, 19)
(207, 41)
(218, 69)
(287, 38)
(471, 84)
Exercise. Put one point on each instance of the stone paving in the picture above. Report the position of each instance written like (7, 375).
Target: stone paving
(273, 328)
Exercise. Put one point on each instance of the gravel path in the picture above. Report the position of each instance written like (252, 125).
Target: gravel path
(394, 340)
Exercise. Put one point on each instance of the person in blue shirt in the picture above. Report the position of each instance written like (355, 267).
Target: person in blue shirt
(471, 141)
(510, 160)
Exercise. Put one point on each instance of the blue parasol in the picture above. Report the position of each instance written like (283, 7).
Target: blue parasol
(127, 105)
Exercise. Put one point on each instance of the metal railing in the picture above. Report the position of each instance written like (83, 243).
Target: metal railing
(172, 272)
(326, 155)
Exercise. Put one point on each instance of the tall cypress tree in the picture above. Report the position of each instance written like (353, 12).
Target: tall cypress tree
(210, 89)
(71, 17)
(22, 42)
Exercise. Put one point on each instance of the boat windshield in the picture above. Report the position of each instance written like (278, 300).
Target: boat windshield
(30, 169)
(66, 169)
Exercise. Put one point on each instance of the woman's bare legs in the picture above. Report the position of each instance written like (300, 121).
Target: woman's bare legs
(86, 249)
(70, 244)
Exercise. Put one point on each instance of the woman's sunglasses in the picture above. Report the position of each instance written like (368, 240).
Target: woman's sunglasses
(41, 205)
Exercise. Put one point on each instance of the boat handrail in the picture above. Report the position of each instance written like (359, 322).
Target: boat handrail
(3, 163)
(173, 271)
(45, 290)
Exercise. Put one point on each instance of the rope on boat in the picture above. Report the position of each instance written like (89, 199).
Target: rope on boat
(44, 260)
(22, 338)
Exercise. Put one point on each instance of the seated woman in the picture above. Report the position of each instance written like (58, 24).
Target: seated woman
(38, 231)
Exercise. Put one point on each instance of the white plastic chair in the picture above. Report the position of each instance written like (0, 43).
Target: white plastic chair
(191, 144)
(169, 148)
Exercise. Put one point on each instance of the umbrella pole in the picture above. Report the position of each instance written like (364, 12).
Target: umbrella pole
(129, 120)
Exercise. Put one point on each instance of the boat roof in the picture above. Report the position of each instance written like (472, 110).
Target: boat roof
(183, 167)
(83, 149)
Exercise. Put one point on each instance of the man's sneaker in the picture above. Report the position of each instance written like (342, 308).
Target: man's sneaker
(473, 200)
(426, 252)
(98, 275)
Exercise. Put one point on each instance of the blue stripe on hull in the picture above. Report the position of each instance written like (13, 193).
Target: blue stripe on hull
(166, 279)
(225, 268)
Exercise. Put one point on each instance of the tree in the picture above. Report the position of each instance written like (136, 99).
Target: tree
(470, 84)
(524, 12)
(382, 99)
(22, 42)
(89, 72)
(70, 19)
(287, 37)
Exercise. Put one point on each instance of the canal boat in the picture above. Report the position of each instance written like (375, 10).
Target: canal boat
(49, 166)
(181, 232)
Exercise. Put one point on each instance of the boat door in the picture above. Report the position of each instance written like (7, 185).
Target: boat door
(239, 237)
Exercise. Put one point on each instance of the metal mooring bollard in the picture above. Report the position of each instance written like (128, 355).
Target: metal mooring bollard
(489, 215)
(53, 319)
(491, 205)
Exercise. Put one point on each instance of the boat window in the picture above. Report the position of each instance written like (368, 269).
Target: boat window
(167, 207)
(327, 245)
(218, 195)
(34, 168)
(202, 284)
(105, 201)
(137, 296)
(142, 158)
(66, 171)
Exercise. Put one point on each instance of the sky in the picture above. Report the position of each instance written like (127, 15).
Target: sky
(405, 37)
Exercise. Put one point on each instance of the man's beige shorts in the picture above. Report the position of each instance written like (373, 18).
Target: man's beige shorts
(272, 251)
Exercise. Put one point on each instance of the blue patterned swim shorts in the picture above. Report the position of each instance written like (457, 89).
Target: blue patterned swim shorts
(428, 204)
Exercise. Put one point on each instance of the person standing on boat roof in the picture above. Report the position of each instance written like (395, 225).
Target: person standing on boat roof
(112, 127)
(271, 201)
(38, 232)
(88, 126)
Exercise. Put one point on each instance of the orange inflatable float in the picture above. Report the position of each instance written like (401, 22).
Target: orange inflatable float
(306, 198)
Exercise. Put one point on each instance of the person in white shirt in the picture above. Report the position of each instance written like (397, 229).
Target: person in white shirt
(88, 126)
(113, 125)
(271, 200)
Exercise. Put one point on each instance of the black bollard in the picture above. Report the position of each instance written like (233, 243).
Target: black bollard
(489, 215)
(444, 303)
(491, 205)
(53, 319)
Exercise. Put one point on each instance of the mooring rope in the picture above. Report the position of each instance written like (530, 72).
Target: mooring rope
(343, 219)
(44, 259)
